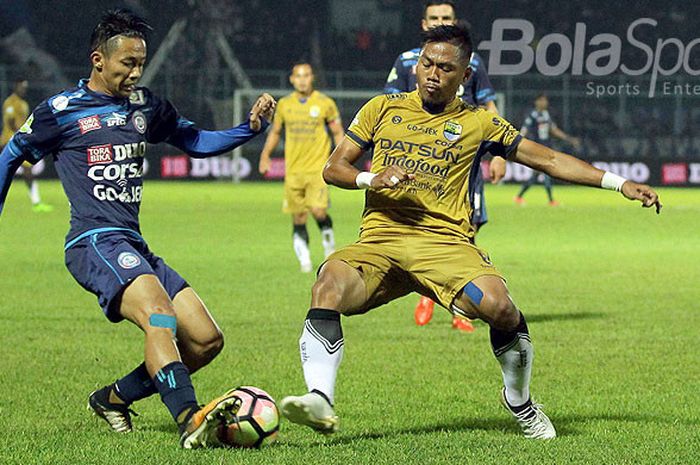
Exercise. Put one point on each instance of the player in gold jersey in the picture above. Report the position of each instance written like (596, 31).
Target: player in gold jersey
(306, 115)
(416, 228)
(14, 113)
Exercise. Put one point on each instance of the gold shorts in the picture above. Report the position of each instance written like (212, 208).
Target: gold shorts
(304, 191)
(433, 265)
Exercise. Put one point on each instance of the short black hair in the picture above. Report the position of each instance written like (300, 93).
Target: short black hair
(457, 35)
(429, 3)
(302, 63)
(118, 22)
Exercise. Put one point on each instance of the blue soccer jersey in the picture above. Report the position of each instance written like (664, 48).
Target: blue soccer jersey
(98, 143)
(538, 125)
(477, 90)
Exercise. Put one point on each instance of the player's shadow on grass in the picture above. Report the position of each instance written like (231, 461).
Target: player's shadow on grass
(566, 425)
(547, 317)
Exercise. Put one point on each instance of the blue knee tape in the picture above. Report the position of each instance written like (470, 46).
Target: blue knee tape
(474, 293)
(163, 321)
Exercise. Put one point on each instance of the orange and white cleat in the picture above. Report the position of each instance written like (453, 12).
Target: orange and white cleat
(424, 311)
(462, 324)
(202, 429)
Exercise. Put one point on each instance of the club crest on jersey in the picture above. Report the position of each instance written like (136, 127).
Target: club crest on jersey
(452, 131)
(99, 154)
(128, 260)
(139, 120)
(91, 123)
(315, 111)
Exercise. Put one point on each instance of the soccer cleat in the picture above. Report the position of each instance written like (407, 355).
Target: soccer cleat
(42, 207)
(533, 421)
(553, 203)
(311, 410)
(118, 416)
(203, 427)
(424, 311)
(462, 324)
(519, 200)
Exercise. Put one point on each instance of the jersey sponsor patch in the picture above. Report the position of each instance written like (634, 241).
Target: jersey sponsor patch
(315, 111)
(137, 97)
(91, 123)
(128, 260)
(99, 154)
(116, 119)
(452, 131)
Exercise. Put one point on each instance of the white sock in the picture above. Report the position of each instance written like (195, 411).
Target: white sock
(321, 347)
(516, 366)
(328, 240)
(301, 248)
(34, 193)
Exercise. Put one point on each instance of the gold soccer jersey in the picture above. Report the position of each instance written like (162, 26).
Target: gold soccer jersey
(14, 113)
(444, 152)
(307, 144)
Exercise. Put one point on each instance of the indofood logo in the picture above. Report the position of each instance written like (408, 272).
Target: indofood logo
(604, 60)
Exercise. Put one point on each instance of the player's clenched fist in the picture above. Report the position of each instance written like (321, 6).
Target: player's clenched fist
(263, 107)
(390, 178)
(643, 193)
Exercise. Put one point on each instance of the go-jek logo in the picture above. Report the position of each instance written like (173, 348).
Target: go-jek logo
(603, 61)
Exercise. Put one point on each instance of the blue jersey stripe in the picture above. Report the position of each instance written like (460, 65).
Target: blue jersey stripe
(90, 232)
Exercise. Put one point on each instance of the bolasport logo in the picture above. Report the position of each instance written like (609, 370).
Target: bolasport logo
(597, 55)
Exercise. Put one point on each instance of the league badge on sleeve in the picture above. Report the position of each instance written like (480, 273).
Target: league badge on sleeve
(452, 131)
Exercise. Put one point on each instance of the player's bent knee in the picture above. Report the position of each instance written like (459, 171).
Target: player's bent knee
(208, 349)
(500, 311)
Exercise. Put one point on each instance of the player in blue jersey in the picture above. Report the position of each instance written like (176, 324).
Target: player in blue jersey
(539, 127)
(97, 133)
(477, 91)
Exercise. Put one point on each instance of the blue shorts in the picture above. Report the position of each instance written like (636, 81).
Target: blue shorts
(104, 263)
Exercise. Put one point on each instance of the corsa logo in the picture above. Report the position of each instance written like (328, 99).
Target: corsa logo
(99, 154)
(91, 123)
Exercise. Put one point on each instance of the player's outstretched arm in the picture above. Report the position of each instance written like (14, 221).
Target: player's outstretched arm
(9, 163)
(571, 169)
(339, 170)
(199, 143)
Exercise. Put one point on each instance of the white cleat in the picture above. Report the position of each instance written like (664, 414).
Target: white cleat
(307, 267)
(311, 410)
(533, 421)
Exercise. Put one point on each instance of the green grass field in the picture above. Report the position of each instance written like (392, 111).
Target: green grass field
(610, 290)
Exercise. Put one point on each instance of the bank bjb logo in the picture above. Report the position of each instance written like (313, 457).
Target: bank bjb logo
(452, 131)
(128, 260)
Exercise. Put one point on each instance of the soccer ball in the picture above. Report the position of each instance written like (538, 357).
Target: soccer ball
(257, 421)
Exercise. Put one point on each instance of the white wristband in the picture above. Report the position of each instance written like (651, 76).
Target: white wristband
(612, 181)
(364, 179)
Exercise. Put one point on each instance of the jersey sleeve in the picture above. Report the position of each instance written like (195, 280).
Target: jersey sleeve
(39, 136)
(164, 119)
(397, 81)
(483, 89)
(528, 124)
(499, 136)
(332, 113)
(363, 126)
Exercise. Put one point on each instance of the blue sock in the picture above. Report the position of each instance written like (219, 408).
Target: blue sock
(135, 386)
(175, 387)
